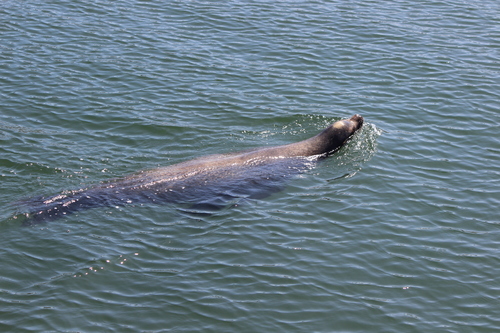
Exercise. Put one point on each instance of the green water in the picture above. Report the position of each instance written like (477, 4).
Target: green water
(398, 232)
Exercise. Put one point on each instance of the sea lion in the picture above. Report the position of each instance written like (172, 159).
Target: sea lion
(208, 182)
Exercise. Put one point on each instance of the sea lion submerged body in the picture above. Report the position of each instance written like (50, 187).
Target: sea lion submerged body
(206, 182)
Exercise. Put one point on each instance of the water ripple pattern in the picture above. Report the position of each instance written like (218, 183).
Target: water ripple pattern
(397, 232)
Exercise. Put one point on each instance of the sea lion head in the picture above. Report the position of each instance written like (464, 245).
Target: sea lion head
(349, 126)
(337, 134)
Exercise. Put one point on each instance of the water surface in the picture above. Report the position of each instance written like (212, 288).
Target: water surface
(398, 232)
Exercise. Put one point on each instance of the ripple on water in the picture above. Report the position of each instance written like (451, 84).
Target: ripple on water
(395, 232)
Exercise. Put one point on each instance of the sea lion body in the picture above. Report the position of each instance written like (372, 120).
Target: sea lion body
(207, 182)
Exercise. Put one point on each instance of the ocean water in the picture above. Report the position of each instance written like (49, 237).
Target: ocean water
(397, 232)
